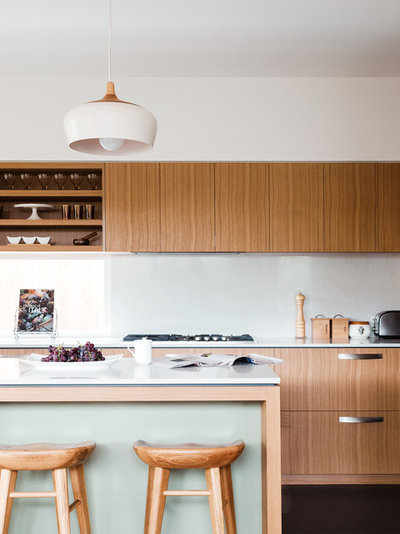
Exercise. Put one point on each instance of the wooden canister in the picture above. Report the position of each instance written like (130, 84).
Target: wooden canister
(340, 328)
(320, 328)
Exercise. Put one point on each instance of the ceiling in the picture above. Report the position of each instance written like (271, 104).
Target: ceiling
(201, 38)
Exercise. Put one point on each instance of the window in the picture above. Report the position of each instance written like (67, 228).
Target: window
(79, 291)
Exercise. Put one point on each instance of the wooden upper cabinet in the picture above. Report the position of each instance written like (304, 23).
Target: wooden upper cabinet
(296, 207)
(350, 194)
(242, 207)
(132, 207)
(389, 207)
(187, 207)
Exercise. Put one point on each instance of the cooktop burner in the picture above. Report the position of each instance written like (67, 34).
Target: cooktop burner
(195, 337)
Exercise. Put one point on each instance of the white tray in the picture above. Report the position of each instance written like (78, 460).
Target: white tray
(35, 361)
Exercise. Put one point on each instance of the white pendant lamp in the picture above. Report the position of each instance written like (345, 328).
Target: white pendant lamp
(110, 126)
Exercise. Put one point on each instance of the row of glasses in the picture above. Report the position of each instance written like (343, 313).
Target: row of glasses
(60, 179)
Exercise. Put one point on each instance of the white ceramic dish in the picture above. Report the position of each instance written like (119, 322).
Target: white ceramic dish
(29, 240)
(44, 240)
(35, 207)
(13, 240)
(35, 361)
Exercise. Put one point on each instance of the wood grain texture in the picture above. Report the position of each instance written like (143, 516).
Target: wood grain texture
(213, 479)
(388, 209)
(155, 504)
(132, 207)
(296, 207)
(317, 443)
(301, 480)
(242, 207)
(187, 207)
(228, 499)
(43, 456)
(188, 456)
(60, 480)
(271, 463)
(315, 379)
(350, 207)
(7, 486)
(77, 475)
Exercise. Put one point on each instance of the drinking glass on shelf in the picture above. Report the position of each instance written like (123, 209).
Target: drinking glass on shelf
(26, 179)
(93, 180)
(44, 180)
(76, 180)
(10, 180)
(60, 180)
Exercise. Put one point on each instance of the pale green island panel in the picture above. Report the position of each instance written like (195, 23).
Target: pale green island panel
(117, 479)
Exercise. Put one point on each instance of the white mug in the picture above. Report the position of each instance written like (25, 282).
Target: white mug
(142, 351)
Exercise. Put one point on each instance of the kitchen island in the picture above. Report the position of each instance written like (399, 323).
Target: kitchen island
(129, 402)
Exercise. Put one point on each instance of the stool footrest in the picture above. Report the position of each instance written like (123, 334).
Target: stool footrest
(31, 494)
(73, 505)
(189, 493)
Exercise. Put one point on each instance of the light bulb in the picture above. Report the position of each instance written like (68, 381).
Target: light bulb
(110, 143)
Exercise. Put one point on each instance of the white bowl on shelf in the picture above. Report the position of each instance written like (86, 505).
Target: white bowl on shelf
(14, 240)
(29, 240)
(44, 240)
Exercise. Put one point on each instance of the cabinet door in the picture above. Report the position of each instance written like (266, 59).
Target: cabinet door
(187, 207)
(340, 443)
(350, 206)
(132, 207)
(241, 207)
(296, 205)
(389, 202)
(339, 379)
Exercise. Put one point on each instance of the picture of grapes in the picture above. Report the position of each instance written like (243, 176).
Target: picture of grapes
(36, 310)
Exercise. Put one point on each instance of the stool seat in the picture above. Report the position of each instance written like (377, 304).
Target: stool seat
(188, 455)
(44, 456)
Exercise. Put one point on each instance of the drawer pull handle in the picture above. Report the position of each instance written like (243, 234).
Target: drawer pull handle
(361, 419)
(345, 356)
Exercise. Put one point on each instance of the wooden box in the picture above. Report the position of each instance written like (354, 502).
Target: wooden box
(340, 328)
(320, 328)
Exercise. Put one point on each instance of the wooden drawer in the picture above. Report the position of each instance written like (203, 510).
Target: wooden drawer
(318, 443)
(339, 379)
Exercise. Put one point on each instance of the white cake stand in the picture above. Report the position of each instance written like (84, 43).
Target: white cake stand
(35, 207)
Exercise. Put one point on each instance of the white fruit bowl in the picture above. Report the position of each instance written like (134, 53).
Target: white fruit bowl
(14, 240)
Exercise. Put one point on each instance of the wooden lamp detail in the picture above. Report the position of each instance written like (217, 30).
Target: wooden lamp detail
(300, 323)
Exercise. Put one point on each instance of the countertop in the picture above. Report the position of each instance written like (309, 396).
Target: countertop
(127, 373)
(30, 342)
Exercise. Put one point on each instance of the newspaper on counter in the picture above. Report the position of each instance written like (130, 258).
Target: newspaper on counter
(212, 359)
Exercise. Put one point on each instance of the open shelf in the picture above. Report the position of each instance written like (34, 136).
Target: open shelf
(51, 222)
(50, 248)
(62, 232)
(47, 193)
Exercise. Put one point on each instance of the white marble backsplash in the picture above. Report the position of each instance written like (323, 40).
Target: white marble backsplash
(237, 293)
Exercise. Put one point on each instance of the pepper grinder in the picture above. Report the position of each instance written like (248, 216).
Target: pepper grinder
(300, 324)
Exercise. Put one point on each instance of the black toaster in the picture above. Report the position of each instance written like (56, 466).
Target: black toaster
(387, 324)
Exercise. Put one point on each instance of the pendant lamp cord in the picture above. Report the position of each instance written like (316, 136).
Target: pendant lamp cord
(109, 38)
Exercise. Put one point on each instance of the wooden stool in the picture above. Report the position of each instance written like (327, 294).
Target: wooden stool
(43, 457)
(214, 459)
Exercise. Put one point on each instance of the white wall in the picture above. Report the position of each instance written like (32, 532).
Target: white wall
(218, 118)
(229, 119)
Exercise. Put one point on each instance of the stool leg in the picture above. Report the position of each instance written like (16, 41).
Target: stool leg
(7, 485)
(227, 499)
(213, 478)
(77, 475)
(157, 484)
(62, 504)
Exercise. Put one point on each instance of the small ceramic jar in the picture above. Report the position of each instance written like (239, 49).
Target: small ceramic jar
(359, 329)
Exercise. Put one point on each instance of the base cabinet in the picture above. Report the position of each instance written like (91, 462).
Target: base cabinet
(340, 443)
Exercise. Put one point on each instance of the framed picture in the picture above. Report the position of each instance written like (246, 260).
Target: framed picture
(36, 311)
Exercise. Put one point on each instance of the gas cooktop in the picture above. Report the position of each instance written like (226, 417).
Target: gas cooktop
(244, 338)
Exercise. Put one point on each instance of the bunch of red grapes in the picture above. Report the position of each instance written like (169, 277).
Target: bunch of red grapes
(81, 353)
